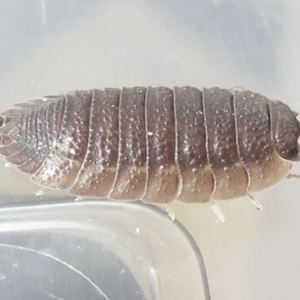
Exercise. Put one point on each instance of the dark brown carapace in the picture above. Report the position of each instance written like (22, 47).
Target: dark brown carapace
(155, 144)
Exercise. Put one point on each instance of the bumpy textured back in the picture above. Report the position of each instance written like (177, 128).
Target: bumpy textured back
(156, 144)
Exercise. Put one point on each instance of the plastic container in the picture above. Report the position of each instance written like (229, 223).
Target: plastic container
(97, 250)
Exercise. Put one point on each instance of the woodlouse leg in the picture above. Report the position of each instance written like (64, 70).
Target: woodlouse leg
(257, 205)
(8, 165)
(217, 211)
(5, 140)
(170, 211)
(42, 192)
(79, 198)
(293, 176)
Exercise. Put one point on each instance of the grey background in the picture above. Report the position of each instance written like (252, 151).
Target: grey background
(49, 47)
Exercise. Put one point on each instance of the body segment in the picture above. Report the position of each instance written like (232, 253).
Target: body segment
(98, 171)
(131, 177)
(222, 146)
(155, 144)
(196, 173)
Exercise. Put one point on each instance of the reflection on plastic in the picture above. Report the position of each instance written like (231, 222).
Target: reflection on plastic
(97, 250)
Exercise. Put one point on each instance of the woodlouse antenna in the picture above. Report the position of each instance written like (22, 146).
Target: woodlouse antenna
(293, 176)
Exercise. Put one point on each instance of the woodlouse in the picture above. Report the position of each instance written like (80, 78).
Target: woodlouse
(154, 144)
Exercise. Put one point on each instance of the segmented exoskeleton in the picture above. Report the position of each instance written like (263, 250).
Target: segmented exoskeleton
(156, 144)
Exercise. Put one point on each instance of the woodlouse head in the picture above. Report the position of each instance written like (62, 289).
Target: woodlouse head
(286, 130)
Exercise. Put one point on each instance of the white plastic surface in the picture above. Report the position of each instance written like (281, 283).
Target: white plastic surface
(52, 46)
(97, 250)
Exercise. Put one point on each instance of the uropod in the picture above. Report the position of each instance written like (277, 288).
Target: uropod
(153, 144)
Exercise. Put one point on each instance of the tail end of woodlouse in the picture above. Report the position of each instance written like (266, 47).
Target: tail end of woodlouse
(2, 121)
(14, 113)
(5, 140)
